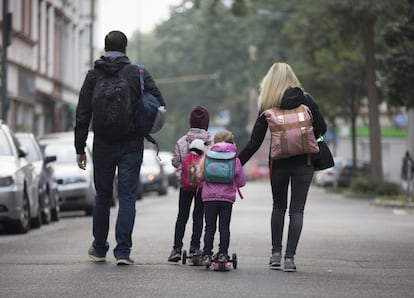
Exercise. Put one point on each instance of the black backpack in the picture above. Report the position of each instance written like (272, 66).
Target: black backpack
(112, 106)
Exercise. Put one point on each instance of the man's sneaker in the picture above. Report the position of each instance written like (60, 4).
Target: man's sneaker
(175, 255)
(92, 255)
(275, 260)
(124, 261)
(289, 265)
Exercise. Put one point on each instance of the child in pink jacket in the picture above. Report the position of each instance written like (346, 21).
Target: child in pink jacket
(218, 201)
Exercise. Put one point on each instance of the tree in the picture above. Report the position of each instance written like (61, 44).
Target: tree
(329, 62)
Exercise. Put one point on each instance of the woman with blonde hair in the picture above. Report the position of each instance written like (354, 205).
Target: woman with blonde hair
(281, 88)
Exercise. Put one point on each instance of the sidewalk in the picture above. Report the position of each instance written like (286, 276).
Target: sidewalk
(376, 201)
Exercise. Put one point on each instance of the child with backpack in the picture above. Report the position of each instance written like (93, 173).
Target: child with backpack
(219, 193)
(199, 122)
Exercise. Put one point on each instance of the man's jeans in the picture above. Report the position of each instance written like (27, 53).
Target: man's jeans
(106, 158)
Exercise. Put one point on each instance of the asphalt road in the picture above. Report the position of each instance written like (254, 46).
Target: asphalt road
(348, 248)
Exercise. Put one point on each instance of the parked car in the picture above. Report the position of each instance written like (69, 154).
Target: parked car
(340, 175)
(75, 186)
(169, 170)
(329, 177)
(258, 171)
(19, 199)
(152, 176)
(48, 192)
(348, 171)
(68, 136)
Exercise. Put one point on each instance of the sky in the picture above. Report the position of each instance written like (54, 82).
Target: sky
(130, 15)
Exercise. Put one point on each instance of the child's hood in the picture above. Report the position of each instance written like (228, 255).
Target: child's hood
(224, 147)
(198, 133)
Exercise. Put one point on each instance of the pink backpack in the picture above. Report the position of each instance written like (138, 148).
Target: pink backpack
(192, 169)
(291, 132)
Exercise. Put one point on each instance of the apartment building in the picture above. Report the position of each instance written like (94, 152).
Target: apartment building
(47, 60)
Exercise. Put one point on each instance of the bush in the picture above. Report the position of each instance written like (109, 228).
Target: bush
(370, 186)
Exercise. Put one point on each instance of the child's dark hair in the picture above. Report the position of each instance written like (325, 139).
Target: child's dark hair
(224, 136)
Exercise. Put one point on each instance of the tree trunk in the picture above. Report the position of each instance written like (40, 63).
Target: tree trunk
(374, 126)
(410, 138)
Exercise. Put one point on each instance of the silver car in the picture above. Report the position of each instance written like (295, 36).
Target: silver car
(19, 202)
(152, 176)
(75, 186)
(48, 192)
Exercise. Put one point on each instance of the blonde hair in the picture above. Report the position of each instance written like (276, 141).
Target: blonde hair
(224, 136)
(278, 79)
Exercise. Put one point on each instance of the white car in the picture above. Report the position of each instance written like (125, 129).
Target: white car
(76, 187)
(19, 199)
(329, 177)
(169, 170)
(152, 176)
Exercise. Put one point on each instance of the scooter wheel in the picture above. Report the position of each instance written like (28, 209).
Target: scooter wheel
(184, 257)
(196, 260)
(234, 260)
(222, 266)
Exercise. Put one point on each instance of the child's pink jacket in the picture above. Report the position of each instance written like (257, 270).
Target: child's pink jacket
(224, 192)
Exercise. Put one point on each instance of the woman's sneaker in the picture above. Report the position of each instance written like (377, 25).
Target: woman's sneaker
(175, 255)
(289, 265)
(275, 260)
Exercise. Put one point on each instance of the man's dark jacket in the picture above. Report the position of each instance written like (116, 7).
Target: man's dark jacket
(108, 65)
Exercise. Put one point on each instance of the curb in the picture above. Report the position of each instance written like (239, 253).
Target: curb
(393, 204)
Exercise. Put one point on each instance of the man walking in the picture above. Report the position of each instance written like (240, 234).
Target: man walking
(109, 97)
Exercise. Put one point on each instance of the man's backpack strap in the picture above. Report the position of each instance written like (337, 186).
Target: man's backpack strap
(148, 137)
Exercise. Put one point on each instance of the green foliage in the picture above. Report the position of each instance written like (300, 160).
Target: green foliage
(321, 39)
(368, 185)
(399, 62)
(392, 132)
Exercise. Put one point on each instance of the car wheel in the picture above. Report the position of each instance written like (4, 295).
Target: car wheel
(56, 212)
(36, 222)
(56, 209)
(46, 212)
(22, 225)
(140, 191)
(162, 191)
(89, 211)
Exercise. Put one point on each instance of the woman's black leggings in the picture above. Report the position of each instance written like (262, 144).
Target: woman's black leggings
(300, 178)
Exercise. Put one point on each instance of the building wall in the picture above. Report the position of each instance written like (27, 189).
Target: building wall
(46, 63)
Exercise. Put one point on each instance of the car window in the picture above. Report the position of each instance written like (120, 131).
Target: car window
(33, 153)
(65, 153)
(5, 147)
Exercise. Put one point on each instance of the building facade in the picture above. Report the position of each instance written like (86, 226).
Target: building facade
(47, 60)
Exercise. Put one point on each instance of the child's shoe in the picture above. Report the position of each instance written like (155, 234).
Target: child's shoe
(175, 255)
(206, 260)
(222, 258)
(195, 251)
(195, 256)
